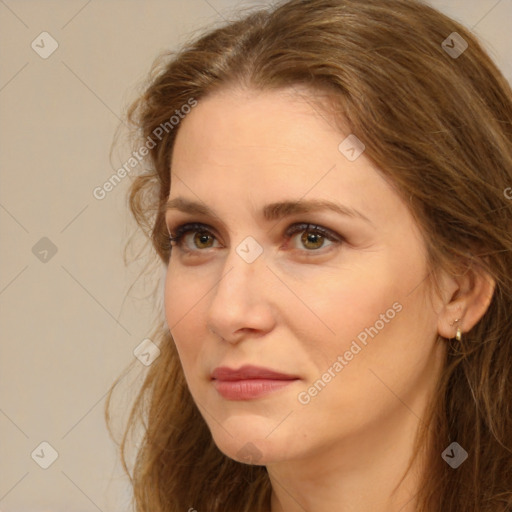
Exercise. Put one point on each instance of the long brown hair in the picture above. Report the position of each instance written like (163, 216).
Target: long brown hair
(439, 126)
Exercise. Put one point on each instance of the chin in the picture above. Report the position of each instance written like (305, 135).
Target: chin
(249, 443)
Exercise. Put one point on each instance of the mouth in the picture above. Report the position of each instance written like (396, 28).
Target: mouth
(249, 382)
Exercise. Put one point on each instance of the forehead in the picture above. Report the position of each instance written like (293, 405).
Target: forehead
(279, 134)
(248, 148)
(264, 116)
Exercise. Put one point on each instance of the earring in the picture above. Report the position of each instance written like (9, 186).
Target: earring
(458, 335)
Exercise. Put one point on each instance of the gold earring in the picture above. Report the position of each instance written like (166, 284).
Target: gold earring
(458, 335)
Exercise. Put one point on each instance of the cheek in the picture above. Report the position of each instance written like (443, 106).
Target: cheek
(183, 292)
(181, 304)
(374, 322)
(365, 314)
(341, 305)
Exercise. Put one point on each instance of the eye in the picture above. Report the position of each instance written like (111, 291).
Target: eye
(312, 239)
(202, 238)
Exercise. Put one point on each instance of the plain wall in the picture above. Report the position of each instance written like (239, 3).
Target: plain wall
(68, 326)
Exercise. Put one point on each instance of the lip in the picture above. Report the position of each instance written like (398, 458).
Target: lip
(249, 382)
(249, 372)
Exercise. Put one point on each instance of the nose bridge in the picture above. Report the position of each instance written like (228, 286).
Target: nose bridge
(238, 280)
(238, 299)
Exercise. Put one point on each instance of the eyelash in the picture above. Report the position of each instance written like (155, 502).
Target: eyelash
(183, 229)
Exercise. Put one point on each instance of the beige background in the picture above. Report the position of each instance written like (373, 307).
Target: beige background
(68, 325)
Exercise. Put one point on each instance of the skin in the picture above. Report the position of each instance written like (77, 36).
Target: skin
(301, 304)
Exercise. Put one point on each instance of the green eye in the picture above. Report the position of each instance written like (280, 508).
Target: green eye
(313, 237)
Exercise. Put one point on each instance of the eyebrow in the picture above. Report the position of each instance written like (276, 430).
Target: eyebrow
(272, 211)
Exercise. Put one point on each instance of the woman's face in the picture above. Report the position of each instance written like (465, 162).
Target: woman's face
(342, 310)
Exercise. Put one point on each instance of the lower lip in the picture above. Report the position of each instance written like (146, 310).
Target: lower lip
(250, 388)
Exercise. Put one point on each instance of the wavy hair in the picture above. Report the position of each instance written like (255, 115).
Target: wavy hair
(440, 129)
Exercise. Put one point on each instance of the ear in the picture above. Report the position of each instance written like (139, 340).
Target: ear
(465, 298)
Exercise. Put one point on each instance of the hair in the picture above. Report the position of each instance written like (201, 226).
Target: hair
(440, 130)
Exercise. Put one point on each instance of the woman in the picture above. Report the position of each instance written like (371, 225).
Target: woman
(327, 196)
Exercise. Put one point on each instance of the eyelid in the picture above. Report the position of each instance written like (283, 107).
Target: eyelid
(183, 228)
(297, 227)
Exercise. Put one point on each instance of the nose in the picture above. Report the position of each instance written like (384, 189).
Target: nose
(239, 304)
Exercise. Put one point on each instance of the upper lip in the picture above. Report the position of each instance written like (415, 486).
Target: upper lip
(248, 372)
